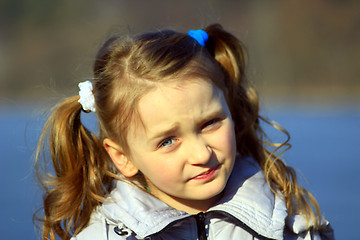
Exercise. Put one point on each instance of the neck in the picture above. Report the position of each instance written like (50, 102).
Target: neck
(190, 206)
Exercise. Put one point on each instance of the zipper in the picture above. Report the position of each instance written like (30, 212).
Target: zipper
(200, 223)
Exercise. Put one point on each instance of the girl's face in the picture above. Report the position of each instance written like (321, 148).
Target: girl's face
(185, 146)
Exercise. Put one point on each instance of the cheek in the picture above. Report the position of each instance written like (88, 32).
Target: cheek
(225, 139)
(161, 171)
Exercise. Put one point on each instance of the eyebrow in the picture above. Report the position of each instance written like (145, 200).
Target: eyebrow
(167, 132)
(213, 114)
(175, 127)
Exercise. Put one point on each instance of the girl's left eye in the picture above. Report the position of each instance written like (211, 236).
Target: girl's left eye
(211, 123)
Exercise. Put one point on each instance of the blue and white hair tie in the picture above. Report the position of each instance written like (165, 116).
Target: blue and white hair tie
(199, 35)
(87, 99)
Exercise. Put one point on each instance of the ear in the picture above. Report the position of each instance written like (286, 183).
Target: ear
(121, 161)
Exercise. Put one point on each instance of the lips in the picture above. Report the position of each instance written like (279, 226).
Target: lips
(207, 174)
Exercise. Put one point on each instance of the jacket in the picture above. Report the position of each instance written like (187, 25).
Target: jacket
(247, 210)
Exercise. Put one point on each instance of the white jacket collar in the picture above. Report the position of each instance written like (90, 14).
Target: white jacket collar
(247, 197)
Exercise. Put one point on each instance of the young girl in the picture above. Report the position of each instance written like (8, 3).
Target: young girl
(180, 154)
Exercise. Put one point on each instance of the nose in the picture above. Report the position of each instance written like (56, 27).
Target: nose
(199, 152)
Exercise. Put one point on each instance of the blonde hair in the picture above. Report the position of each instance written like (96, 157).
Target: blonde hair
(125, 69)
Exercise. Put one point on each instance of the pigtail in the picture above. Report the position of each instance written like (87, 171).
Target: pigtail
(229, 52)
(81, 172)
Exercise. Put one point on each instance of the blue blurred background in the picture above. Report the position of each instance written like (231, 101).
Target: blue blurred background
(303, 58)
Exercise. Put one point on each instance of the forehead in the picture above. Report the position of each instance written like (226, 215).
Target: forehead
(181, 96)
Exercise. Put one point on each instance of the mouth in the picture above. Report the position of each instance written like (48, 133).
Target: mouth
(207, 175)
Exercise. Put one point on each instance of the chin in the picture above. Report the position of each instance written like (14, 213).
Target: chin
(212, 192)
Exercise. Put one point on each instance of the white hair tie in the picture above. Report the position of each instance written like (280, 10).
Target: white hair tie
(87, 99)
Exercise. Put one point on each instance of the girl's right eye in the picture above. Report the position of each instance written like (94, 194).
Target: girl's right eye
(167, 142)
